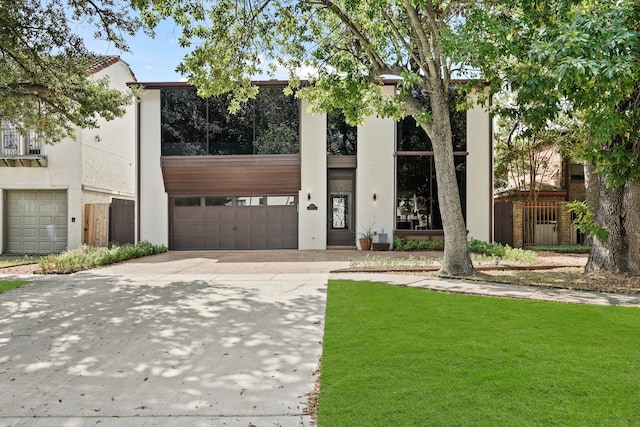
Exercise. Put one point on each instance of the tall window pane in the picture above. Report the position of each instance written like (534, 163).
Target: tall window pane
(276, 123)
(183, 122)
(342, 138)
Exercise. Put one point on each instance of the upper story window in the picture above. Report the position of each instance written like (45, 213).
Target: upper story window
(412, 137)
(193, 126)
(342, 138)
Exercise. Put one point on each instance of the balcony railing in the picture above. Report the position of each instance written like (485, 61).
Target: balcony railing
(20, 149)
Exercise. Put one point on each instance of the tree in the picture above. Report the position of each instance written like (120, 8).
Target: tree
(586, 53)
(351, 45)
(43, 72)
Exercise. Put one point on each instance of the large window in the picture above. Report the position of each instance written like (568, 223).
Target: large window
(342, 138)
(193, 126)
(417, 205)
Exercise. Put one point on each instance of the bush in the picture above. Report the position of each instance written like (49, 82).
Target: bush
(486, 248)
(418, 245)
(90, 256)
(569, 249)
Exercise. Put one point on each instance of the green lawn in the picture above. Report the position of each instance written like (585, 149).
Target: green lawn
(396, 356)
(6, 285)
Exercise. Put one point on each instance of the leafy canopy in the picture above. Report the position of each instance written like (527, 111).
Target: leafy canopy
(43, 72)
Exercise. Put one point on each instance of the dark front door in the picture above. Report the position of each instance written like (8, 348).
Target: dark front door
(341, 201)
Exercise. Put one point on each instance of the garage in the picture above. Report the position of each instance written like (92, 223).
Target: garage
(36, 221)
(249, 222)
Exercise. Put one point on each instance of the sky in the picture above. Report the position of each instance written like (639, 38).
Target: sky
(151, 59)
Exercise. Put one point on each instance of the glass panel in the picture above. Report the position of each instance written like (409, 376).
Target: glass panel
(281, 200)
(417, 205)
(412, 137)
(277, 122)
(183, 116)
(218, 201)
(339, 206)
(250, 201)
(186, 201)
(230, 133)
(341, 137)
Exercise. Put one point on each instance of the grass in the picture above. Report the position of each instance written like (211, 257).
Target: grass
(18, 261)
(6, 285)
(569, 249)
(395, 356)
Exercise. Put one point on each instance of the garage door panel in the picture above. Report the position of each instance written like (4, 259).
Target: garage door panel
(233, 227)
(36, 221)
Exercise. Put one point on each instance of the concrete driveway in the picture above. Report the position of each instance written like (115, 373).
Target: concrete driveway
(178, 339)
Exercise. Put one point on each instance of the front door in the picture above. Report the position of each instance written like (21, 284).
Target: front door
(341, 192)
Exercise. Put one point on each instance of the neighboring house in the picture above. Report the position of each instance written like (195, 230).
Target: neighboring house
(541, 217)
(44, 188)
(276, 176)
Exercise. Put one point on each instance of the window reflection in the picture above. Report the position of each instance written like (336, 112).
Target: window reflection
(193, 126)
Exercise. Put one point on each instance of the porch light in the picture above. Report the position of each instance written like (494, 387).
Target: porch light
(308, 196)
(374, 197)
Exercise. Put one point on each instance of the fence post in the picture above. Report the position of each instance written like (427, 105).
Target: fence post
(518, 225)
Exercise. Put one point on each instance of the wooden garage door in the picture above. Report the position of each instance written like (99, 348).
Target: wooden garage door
(36, 222)
(213, 223)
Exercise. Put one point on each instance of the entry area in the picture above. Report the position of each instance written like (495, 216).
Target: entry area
(36, 221)
(340, 229)
(246, 222)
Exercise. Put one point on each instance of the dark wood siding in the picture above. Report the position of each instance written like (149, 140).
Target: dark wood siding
(231, 175)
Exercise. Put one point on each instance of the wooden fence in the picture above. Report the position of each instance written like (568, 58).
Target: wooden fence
(106, 223)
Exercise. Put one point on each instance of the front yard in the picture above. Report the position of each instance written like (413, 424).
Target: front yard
(408, 357)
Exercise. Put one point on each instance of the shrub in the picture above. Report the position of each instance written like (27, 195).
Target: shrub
(486, 248)
(418, 245)
(90, 256)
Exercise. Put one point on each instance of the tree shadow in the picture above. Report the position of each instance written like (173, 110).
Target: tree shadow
(100, 345)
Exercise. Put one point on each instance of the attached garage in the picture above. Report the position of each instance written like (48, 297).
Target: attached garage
(36, 221)
(215, 223)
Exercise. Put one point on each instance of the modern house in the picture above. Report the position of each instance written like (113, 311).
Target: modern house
(275, 176)
(44, 189)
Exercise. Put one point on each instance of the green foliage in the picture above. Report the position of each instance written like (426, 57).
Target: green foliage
(569, 249)
(396, 356)
(43, 72)
(487, 248)
(586, 221)
(89, 257)
(418, 245)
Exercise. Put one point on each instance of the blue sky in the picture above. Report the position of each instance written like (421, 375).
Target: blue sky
(152, 60)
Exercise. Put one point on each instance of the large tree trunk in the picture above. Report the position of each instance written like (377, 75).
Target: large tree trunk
(457, 257)
(618, 213)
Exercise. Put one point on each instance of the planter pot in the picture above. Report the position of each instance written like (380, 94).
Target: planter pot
(381, 246)
(365, 244)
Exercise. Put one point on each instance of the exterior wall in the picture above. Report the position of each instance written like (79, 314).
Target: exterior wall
(63, 172)
(312, 224)
(479, 174)
(90, 171)
(108, 167)
(376, 175)
(153, 224)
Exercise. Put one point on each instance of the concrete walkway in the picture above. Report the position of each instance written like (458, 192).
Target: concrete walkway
(186, 339)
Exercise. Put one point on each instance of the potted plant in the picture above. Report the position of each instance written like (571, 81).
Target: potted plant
(366, 237)
(381, 244)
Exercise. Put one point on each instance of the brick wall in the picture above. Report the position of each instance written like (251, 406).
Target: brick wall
(517, 224)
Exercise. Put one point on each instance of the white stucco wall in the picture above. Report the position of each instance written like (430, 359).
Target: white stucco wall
(479, 174)
(376, 175)
(90, 171)
(63, 172)
(152, 200)
(312, 224)
(108, 152)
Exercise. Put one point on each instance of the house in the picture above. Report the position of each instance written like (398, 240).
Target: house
(275, 176)
(44, 189)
